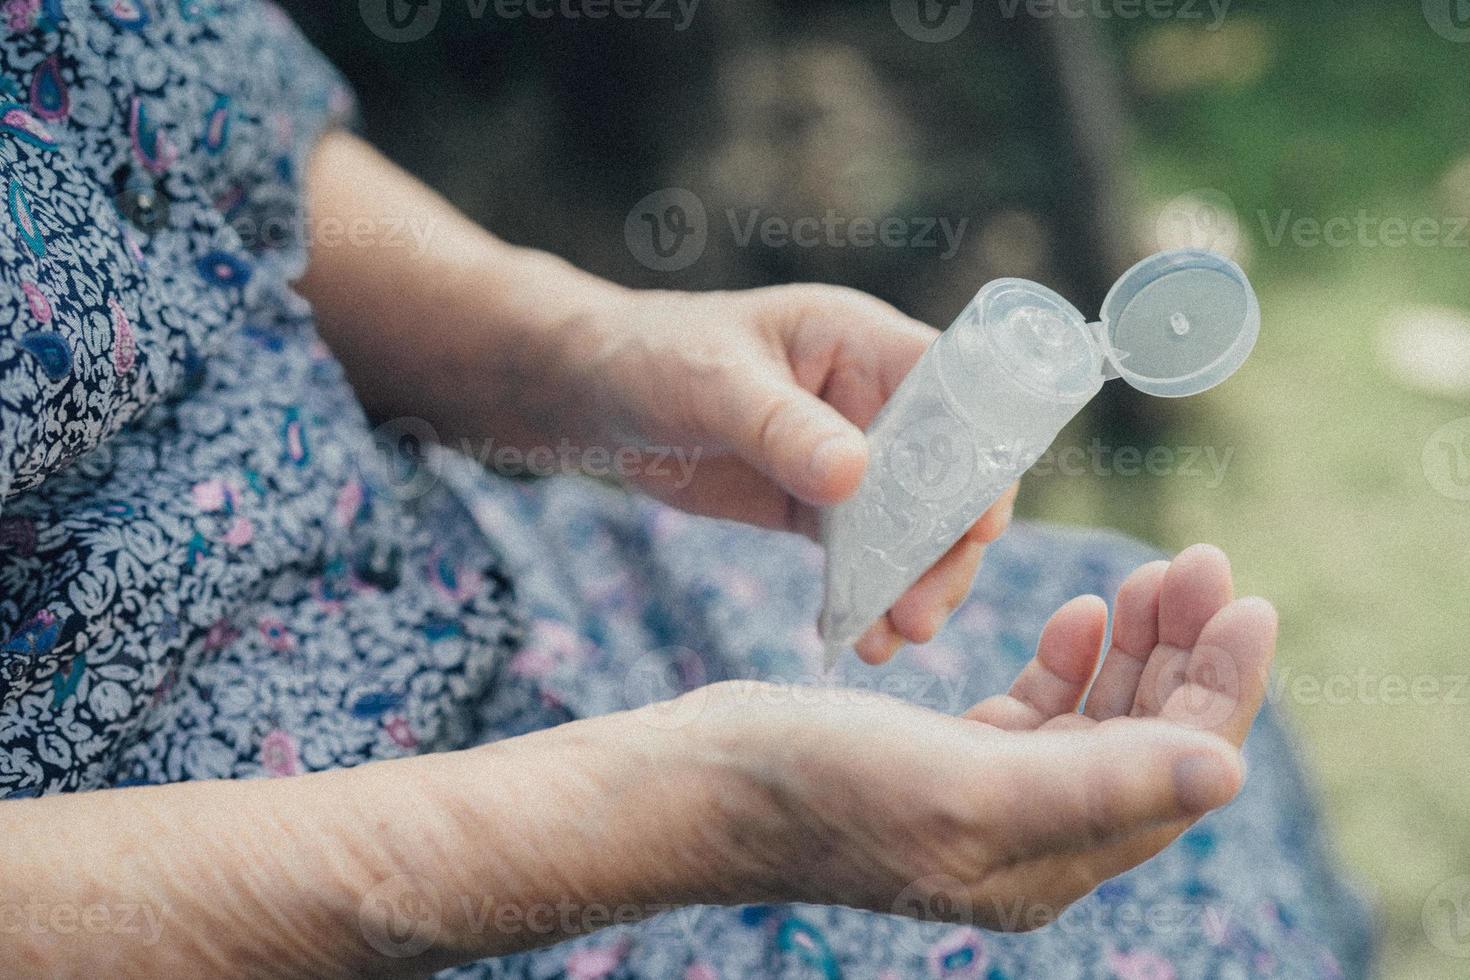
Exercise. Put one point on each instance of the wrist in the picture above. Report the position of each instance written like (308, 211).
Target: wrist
(528, 841)
(738, 751)
(534, 344)
(557, 355)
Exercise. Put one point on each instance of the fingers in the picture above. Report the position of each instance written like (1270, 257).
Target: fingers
(1224, 688)
(1184, 651)
(1225, 680)
(799, 441)
(1196, 586)
(874, 335)
(993, 523)
(1135, 634)
(921, 612)
(1053, 683)
(1077, 791)
(880, 642)
(853, 348)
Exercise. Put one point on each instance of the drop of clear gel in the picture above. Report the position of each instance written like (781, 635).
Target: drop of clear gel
(1180, 323)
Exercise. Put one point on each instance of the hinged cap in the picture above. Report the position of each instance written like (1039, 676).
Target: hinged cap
(1180, 322)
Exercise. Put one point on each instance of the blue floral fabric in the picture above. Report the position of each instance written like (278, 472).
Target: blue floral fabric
(212, 567)
(205, 569)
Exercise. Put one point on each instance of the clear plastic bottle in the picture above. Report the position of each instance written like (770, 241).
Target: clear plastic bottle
(992, 393)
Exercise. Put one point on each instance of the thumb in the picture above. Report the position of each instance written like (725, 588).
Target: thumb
(805, 445)
(1084, 789)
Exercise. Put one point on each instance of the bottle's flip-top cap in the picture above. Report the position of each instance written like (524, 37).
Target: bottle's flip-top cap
(1180, 322)
(1174, 324)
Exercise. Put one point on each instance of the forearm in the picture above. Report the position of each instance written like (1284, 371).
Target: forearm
(399, 867)
(419, 303)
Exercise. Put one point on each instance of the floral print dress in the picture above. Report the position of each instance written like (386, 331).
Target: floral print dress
(212, 567)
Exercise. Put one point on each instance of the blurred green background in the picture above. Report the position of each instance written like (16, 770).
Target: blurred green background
(1335, 502)
(1325, 145)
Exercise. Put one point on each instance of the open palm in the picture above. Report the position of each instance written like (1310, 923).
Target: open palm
(1007, 815)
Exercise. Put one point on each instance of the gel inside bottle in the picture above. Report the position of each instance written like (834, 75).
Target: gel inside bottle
(992, 393)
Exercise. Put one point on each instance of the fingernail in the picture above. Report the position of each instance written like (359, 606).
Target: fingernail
(1202, 782)
(830, 453)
